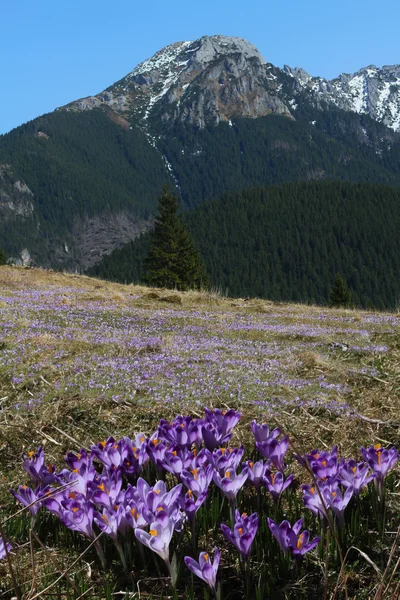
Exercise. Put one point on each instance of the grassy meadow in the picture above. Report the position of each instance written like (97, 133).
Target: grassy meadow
(83, 359)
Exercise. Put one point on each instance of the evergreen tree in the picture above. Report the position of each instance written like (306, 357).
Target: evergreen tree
(340, 294)
(3, 258)
(172, 260)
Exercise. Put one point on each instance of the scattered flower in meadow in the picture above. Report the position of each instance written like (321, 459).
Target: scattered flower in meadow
(356, 475)
(205, 569)
(243, 533)
(290, 539)
(276, 483)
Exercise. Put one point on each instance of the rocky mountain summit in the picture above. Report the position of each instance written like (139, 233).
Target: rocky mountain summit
(217, 78)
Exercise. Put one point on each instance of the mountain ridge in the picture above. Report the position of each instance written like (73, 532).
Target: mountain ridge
(167, 76)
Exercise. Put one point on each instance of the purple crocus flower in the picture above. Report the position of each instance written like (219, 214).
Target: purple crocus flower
(276, 483)
(256, 471)
(231, 482)
(290, 539)
(355, 475)
(104, 492)
(198, 480)
(223, 459)
(262, 432)
(191, 504)
(223, 420)
(134, 515)
(159, 536)
(178, 432)
(110, 520)
(212, 437)
(176, 460)
(27, 497)
(243, 533)
(33, 463)
(78, 516)
(218, 426)
(77, 461)
(274, 450)
(338, 502)
(4, 548)
(156, 449)
(312, 499)
(205, 569)
(381, 460)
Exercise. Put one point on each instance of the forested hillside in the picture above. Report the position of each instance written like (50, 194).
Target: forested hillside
(287, 242)
(94, 179)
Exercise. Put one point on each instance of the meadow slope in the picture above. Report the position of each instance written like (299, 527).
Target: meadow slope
(82, 359)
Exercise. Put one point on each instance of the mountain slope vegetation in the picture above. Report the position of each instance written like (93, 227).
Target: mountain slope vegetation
(288, 242)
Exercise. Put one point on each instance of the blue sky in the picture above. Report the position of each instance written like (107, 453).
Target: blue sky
(53, 52)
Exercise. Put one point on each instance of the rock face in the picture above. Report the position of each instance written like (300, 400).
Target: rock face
(15, 196)
(371, 91)
(217, 78)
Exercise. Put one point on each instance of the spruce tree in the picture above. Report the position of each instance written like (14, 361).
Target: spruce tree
(3, 258)
(173, 260)
(340, 294)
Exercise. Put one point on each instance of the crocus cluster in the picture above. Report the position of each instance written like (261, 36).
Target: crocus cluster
(336, 482)
(107, 488)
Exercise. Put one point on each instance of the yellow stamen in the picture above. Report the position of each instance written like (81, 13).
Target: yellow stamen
(227, 475)
(206, 557)
(75, 509)
(244, 515)
(153, 532)
(157, 491)
(195, 473)
(31, 453)
(101, 487)
(300, 541)
(141, 440)
(240, 530)
(251, 465)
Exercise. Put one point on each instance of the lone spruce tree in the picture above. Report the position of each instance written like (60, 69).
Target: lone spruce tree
(173, 260)
(340, 294)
